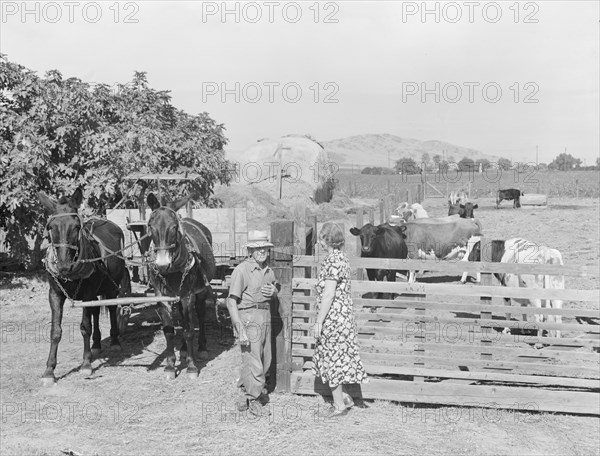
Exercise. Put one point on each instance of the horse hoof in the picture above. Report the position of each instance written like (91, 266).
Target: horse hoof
(47, 382)
(115, 348)
(86, 371)
(203, 354)
(96, 351)
(170, 375)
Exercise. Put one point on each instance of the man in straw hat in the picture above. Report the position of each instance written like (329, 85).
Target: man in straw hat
(252, 290)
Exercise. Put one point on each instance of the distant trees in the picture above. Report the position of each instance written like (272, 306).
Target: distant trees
(504, 164)
(377, 170)
(565, 162)
(407, 165)
(467, 164)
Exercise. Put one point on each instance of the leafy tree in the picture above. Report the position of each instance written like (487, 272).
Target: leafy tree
(59, 134)
(504, 164)
(484, 162)
(466, 164)
(597, 162)
(565, 162)
(407, 165)
(437, 158)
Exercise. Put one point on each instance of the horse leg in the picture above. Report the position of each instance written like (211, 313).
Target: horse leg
(200, 305)
(169, 331)
(96, 336)
(56, 301)
(115, 345)
(86, 332)
(188, 304)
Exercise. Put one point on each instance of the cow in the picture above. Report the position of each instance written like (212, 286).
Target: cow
(518, 250)
(415, 211)
(508, 195)
(382, 241)
(463, 210)
(439, 238)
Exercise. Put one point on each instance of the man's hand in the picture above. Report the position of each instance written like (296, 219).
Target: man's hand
(242, 335)
(268, 290)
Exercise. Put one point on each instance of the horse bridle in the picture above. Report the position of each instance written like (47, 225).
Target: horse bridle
(65, 245)
(179, 228)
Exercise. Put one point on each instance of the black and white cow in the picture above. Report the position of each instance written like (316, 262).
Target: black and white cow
(510, 194)
(519, 250)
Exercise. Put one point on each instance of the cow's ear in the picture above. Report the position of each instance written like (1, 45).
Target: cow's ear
(476, 206)
(354, 231)
(379, 230)
(152, 202)
(462, 206)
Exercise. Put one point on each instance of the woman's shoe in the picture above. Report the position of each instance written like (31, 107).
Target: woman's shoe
(335, 413)
(348, 401)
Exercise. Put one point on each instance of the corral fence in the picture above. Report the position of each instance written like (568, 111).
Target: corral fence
(446, 343)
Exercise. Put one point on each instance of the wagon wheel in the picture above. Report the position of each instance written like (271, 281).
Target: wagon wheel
(124, 290)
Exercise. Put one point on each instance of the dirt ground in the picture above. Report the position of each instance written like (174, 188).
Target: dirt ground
(128, 407)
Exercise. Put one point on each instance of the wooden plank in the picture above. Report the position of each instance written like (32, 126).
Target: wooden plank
(383, 305)
(466, 290)
(471, 364)
(125, 300)
(476, 346)
(374, 369)
(380, 332)
(400, 320)
(494, 397)
(456, 267)
(282, 236)
(359, 223)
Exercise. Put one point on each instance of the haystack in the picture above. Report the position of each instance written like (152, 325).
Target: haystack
(292, 168)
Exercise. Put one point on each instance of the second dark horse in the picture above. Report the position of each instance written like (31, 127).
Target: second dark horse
(183, 265)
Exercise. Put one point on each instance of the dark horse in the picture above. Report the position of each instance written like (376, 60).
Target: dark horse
(183, 265)
(80, 267)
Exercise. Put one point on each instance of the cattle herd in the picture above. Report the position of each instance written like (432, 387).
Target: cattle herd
(411, 234)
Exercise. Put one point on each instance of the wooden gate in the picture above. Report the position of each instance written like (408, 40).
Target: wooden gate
(444, 343)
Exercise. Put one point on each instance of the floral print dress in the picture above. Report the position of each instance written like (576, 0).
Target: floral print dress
(336, 359)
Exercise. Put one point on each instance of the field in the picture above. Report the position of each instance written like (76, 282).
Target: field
(128, 407)
(562, 184)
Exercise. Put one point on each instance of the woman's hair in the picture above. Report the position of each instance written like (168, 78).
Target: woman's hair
(333, 235)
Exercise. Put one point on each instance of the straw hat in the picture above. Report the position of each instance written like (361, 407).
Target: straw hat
(258, 239)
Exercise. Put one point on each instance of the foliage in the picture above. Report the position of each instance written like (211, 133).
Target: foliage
(504, 164)
(60, 134)
(377, 170)
(467, 164)
(407, 165)
(565, 162)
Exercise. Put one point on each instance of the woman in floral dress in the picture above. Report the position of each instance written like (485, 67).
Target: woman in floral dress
(336, 359)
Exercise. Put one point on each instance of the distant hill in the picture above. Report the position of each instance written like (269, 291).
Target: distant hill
(372, 150)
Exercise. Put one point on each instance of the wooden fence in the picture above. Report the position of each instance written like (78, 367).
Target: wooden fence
(443, 343)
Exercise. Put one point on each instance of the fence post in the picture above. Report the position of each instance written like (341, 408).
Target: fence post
(577, 188)
(359, 225)
(381, 214)
(372, 216)
(419, 193)
(282, 237)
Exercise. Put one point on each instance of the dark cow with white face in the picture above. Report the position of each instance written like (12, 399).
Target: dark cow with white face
(439, 238)
(519, 250)
(382, 241)
(510, 194)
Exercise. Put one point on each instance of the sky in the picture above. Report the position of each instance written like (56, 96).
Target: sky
(506, 78)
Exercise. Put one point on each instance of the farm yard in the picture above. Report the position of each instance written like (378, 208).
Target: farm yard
(139, 412)
(172, 140)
